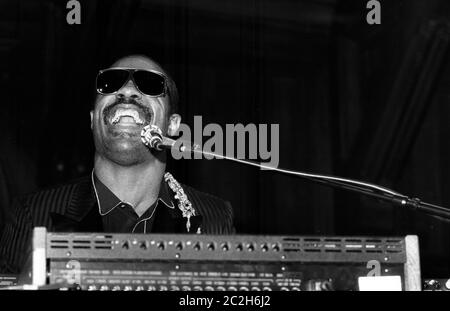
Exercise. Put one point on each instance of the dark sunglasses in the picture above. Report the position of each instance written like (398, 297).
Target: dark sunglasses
(148, 82)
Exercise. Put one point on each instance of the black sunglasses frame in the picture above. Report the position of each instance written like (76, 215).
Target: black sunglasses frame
(131, 72)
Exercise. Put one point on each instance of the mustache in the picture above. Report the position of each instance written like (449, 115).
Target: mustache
(144, 111)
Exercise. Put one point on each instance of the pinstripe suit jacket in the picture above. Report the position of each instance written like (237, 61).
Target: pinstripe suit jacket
(73, 207)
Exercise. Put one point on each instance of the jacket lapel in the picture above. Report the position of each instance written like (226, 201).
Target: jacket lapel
(168, 220)
(82, 214)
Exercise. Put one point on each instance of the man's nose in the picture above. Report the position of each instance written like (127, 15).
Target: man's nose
(129, 89)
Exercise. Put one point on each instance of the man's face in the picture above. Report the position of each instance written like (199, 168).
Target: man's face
(117, 119)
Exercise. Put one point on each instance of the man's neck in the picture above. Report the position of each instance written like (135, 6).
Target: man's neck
(138, 185)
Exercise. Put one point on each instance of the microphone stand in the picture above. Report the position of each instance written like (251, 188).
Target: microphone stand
(368, 189)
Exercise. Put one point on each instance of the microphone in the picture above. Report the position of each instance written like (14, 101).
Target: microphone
(152, 137)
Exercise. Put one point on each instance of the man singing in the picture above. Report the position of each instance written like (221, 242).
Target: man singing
(129, 190)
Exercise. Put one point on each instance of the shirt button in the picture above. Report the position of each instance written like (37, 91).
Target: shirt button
(123, 205)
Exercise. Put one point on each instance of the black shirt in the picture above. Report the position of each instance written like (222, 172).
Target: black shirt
(73, 207)
(118, 216)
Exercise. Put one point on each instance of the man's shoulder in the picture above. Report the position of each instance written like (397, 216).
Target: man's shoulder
(59, 194)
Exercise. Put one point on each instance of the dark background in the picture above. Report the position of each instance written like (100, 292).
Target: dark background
(358, 101)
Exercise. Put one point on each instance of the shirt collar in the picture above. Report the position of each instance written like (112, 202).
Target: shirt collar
(107, 200)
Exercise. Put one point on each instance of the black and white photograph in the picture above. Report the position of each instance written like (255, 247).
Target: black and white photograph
(225, 145)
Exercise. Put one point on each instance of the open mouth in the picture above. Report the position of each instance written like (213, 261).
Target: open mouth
(127, 116)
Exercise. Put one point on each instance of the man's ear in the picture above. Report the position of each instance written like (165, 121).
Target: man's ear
(92, 118)
(174, 124)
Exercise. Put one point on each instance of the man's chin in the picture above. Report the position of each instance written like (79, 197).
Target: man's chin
(127, 152)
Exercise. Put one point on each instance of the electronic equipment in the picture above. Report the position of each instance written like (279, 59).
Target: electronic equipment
(7, 280)
(436, 285)
(102, 261)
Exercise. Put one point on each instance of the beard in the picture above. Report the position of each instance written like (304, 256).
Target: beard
(121, 150)
(121, 146)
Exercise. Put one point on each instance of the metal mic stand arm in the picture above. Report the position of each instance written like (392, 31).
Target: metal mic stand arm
(395, 198)
(342, 183)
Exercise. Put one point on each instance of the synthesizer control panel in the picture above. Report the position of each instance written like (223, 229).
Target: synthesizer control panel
(99, 261)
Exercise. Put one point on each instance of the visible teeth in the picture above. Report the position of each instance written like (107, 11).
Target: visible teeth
(127, 113)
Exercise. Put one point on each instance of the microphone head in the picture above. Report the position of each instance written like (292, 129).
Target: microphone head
(151, 136)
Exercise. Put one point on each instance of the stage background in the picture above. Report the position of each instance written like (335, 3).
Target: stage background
(364, 102)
